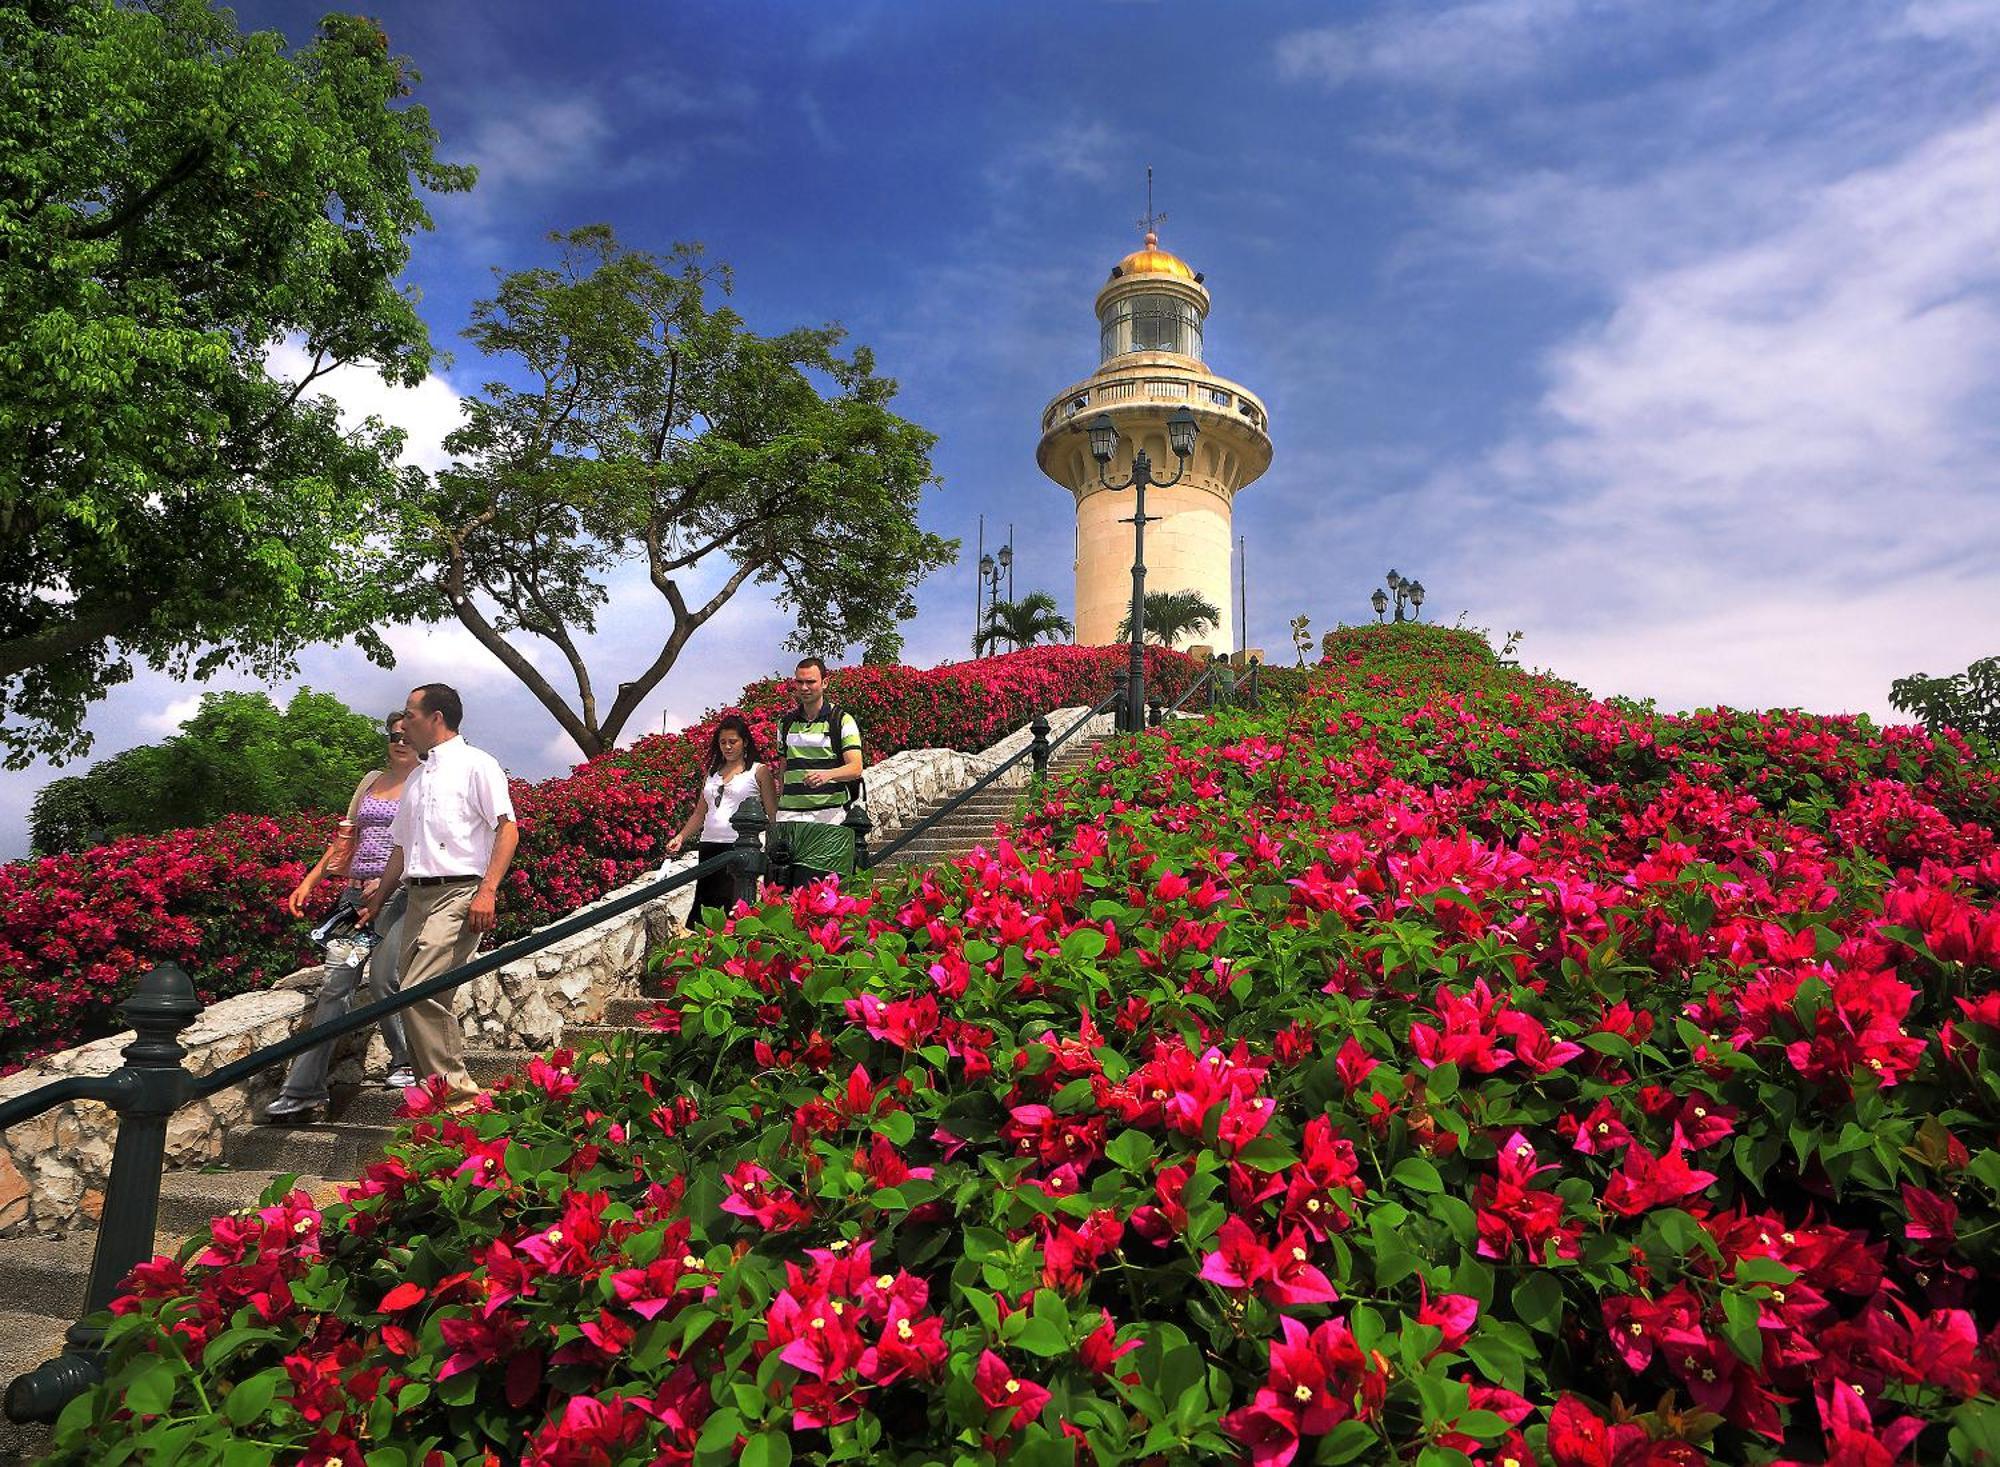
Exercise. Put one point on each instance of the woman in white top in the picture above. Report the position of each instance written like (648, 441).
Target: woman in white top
(734, 774)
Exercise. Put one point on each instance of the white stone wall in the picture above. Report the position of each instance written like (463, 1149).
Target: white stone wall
(52, 1169)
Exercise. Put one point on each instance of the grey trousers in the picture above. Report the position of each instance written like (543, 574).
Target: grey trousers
(307, 1078)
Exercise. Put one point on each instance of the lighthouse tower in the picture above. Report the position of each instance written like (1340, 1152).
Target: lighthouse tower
(1150, 315)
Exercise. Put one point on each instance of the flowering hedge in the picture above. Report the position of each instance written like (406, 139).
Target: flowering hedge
(76, 930)
(1455, 1071)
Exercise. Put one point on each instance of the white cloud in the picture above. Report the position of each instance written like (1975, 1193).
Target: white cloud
(1953, 20)
(426, 412)
(1071, 151)
(1475, 46)
(1770, 473)
(538, 142)
(168, 718)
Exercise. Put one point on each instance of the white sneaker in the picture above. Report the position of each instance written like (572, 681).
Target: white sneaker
(401, 1079)
(291, 1105)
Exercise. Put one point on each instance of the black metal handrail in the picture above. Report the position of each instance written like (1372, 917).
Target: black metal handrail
(1210, 680)
(1039, 749)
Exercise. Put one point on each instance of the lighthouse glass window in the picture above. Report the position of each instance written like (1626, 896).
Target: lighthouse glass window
(1150, 323)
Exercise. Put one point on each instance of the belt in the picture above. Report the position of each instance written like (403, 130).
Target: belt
(438, 880)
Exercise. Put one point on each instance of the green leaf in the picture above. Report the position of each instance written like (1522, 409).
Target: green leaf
(767, 1449)
(1039, 1337)
(1739, 1327)
(151, 1391)
(1538, 1301)
(1132, 1150)
(899, 1126)
(1267, 1154)
(1417, 1174)
(252, 1397)
(1347, 1442)
(1083, 944)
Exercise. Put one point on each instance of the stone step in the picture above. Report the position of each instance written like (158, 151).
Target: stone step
(369, 1106)
(623, 1013)
(53, 1274)
(325, 1148)
(576, 1036)
(190, 1200)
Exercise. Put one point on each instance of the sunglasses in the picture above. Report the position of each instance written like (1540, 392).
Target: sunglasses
(397, 739)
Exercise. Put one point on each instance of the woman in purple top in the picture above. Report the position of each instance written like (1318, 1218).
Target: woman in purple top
(373, 806)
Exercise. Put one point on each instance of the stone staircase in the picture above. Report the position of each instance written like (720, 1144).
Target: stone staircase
(43, 1279)
(972, 823)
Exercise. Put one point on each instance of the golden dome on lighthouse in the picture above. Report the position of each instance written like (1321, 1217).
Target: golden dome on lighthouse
(1150, 259)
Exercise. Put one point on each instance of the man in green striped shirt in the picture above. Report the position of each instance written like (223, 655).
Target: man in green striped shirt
(820, 747)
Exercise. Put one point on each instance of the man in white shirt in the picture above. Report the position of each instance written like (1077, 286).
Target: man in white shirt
(454, 836)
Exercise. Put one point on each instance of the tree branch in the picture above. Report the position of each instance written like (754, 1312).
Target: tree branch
(490, 637)
(113, 220)
(89, 624)
(686, 624)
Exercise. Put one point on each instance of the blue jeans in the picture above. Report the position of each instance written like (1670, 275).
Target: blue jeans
(307, 1078)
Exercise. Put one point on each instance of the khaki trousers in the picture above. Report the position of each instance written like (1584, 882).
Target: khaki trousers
(436, 939)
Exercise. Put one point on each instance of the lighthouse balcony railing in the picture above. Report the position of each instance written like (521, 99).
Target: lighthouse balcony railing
(1141, 386)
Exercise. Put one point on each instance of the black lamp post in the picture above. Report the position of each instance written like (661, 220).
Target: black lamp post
(1410, 592)
(1182, 430)
(993, 572)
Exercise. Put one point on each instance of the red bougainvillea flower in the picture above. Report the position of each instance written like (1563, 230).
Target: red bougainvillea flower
(1002, 1390)
(1283, 1274)
(1645, 1181)
(752, 1195)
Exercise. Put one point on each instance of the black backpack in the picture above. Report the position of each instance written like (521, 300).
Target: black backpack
(833, 713)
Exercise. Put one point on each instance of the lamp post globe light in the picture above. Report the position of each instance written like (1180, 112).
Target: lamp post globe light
(1182, 430)
(992, 572)
(1408, 592)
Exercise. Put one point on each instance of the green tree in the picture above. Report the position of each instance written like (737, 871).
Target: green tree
(176, 198)
(238, 754)
(1025, 622)
(1968, 701)
(1172, 616)
(654, 429)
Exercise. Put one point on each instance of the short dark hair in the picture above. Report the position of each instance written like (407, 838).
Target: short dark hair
(812, 662)
(443, 699)
(393, 717)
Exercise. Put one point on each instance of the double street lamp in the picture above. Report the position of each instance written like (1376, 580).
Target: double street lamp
(1182, 430)
(1408, 591)
(993, 572)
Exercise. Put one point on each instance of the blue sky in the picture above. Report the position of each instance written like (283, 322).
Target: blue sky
(1668, 334)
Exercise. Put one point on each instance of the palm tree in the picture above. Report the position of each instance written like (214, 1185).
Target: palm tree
(1172, 616)
(1023, 623)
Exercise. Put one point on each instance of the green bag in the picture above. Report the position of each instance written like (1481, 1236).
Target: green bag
(817, 850)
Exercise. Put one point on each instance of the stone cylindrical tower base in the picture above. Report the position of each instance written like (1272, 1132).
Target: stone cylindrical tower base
(1187, 549)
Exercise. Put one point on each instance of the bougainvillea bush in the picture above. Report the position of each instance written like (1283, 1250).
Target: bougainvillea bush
(77, 930)
(1453, 1071)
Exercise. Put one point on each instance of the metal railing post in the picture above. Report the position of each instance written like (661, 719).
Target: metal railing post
(858, 820)
(749, 822)
(1038, 747)
(1156, 713)
(1119, 688)
(153, 1084)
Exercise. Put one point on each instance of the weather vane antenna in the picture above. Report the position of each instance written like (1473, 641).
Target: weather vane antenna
(1152, 222)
